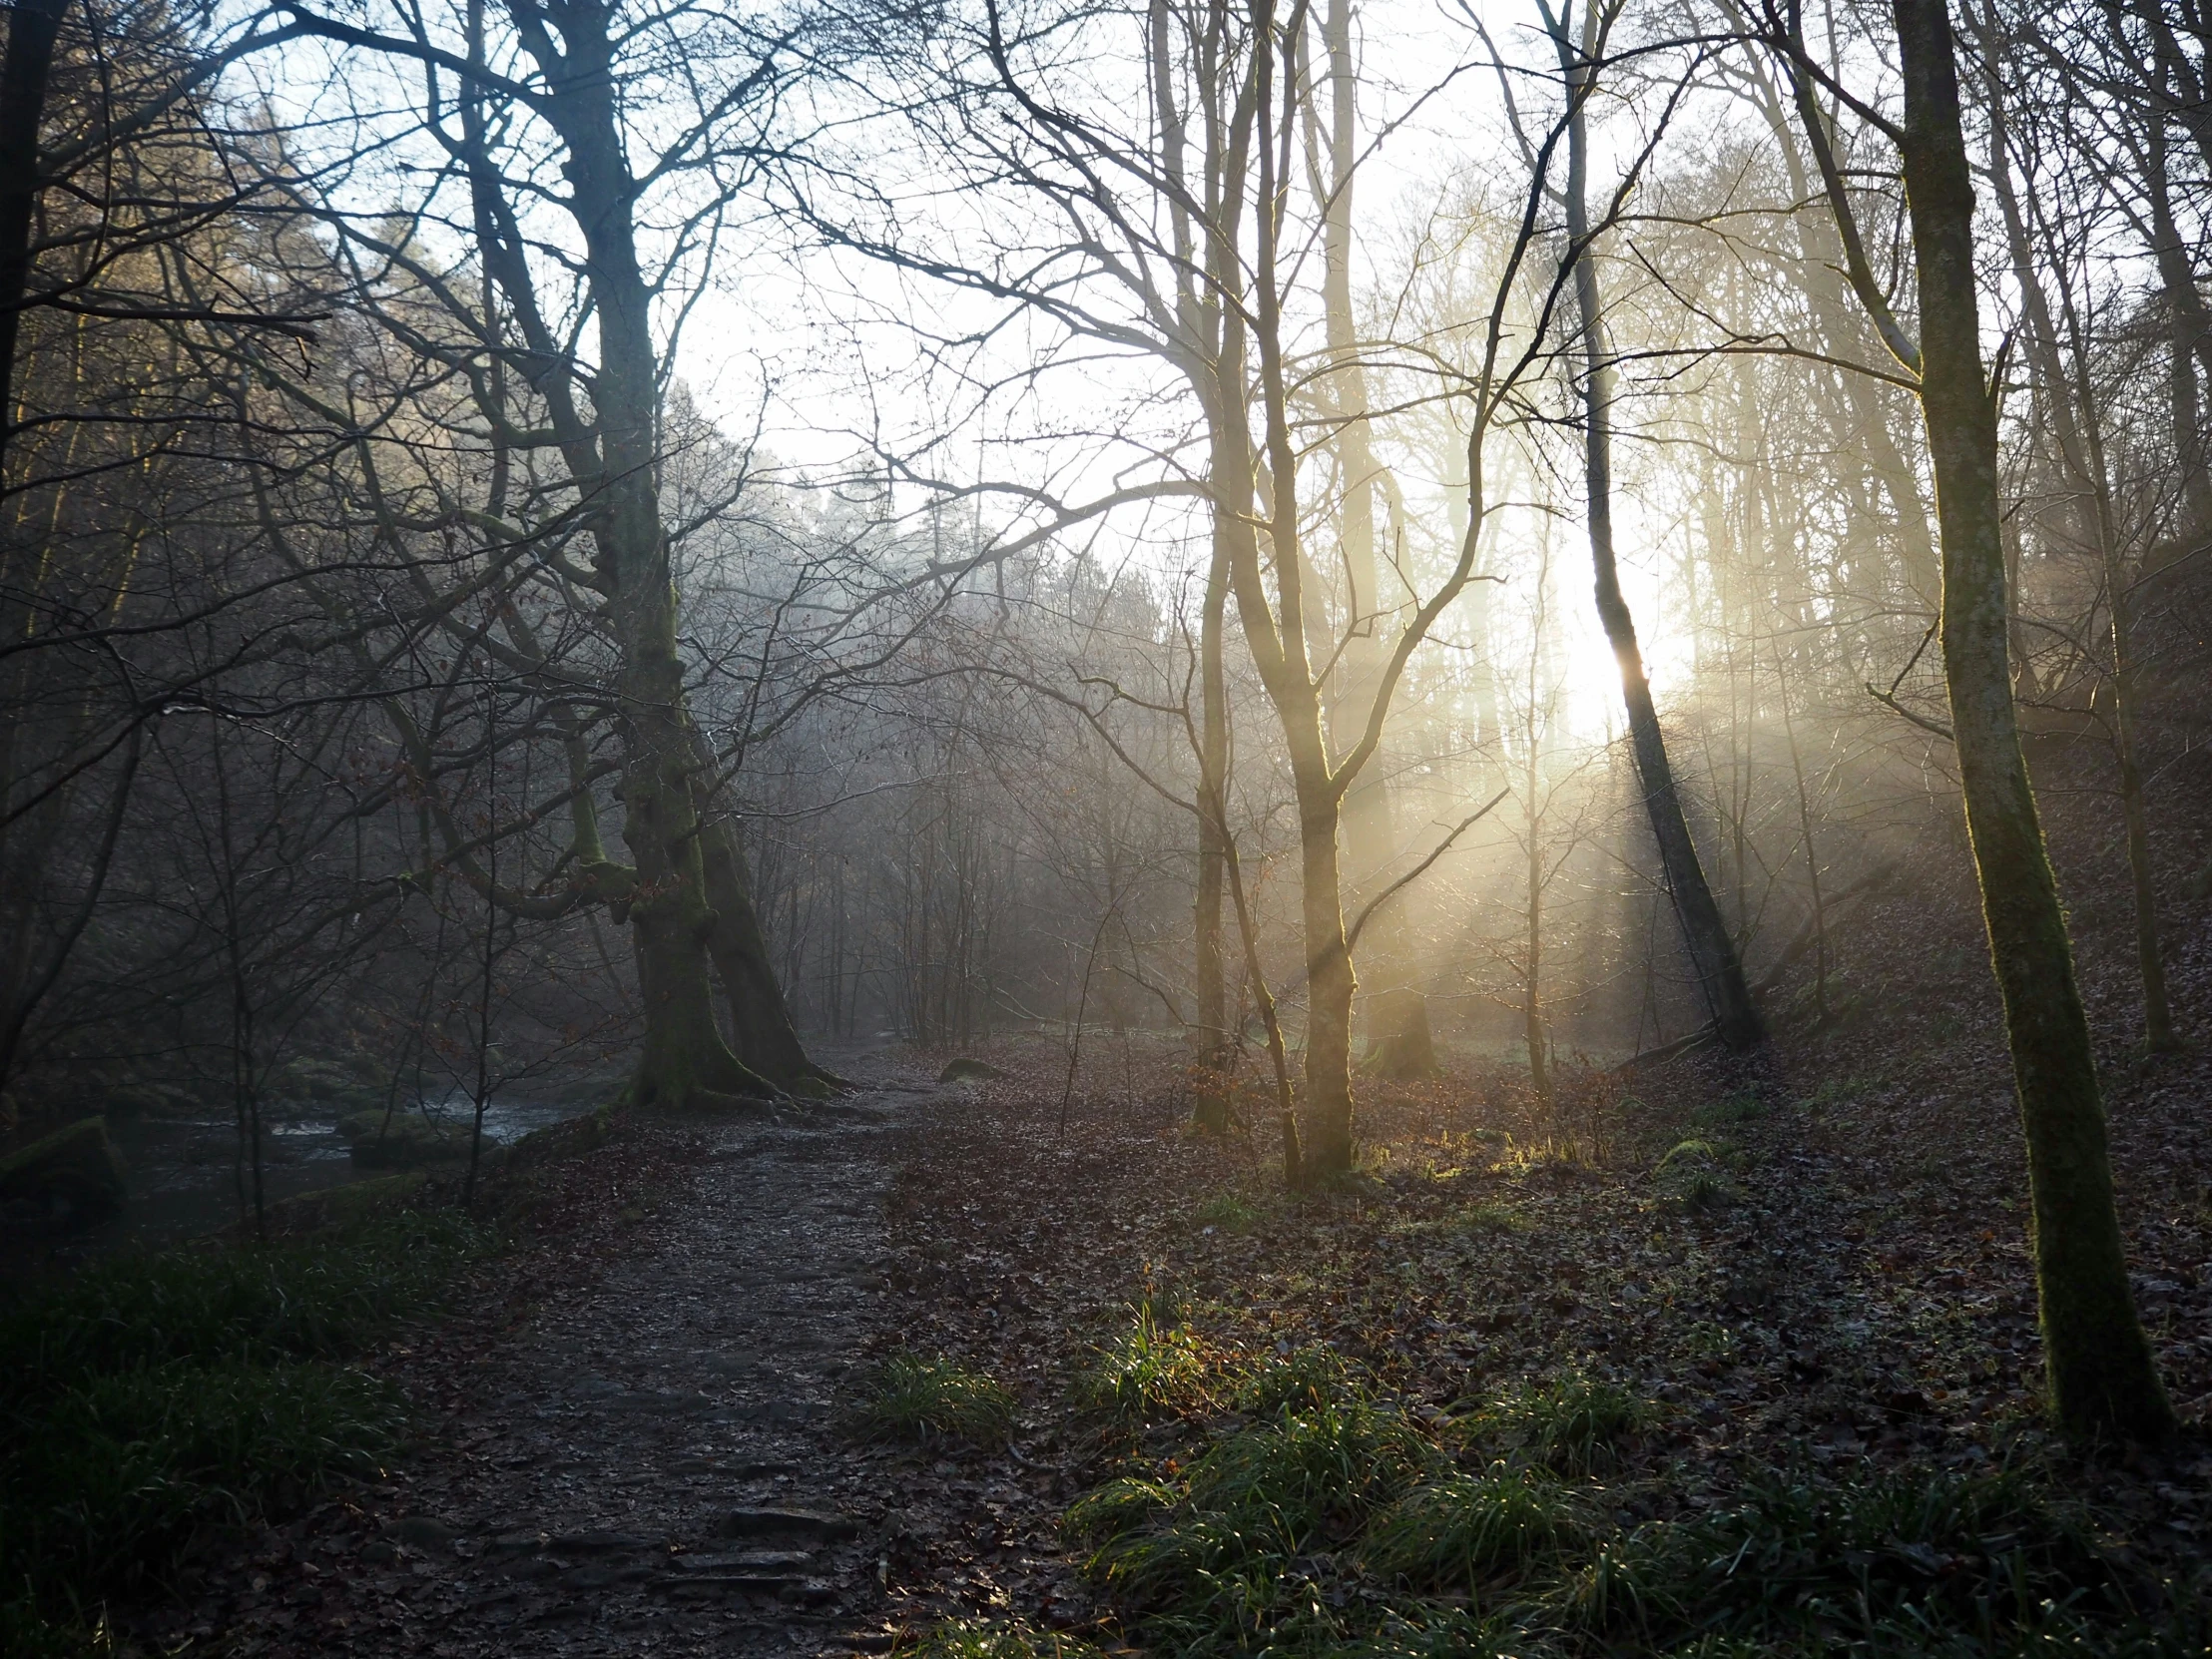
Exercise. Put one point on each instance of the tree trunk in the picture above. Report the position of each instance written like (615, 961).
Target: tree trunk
(685, 1059)
(1210, 1096)
(767, 1042)
(2103, 1377)
(1712, 951)
(1327, 1128)
(1399, 1038)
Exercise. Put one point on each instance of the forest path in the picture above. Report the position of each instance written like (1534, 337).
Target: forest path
(648, 1466)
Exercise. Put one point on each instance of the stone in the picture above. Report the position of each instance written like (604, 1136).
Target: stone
(74, 1174)
(966, 1068)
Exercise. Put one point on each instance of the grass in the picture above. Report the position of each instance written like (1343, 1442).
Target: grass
(151, 1401)
(1218, 1550)
(1743, 1106)
(994, 1640)
(1230, 1212)
(1572, 1425)
(1486, 1219)
(1694, 1175)
(918, 1400)
(1465, 1530)
(1315, 1518)
(1151, 1371)
(1902, 1562)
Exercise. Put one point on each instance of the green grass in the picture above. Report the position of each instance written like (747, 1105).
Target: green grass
(1319, 1521)
(1152, 1371)
(1694, 1175)
(1230, 1212)
(1459, 1532)
(1744, 1106)
(980, 1638)
(152, 1400)
(918, 1400)
(1216, 1551)
(1904, 1562)
(1572, 1425)
(1486, 1219)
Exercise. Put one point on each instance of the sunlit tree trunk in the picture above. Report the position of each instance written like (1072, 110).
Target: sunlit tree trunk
(2103, 1379)
(1398, 1039)
(1712, 951)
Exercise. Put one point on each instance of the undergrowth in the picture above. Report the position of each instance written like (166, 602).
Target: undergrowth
(151, 1401)
(1151, 1370)
(1316, 1515)
(913, 1399)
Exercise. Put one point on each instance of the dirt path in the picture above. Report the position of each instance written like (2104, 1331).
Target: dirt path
(648, 1467)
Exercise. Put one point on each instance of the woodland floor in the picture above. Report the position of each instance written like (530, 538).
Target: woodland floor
(638, 1444)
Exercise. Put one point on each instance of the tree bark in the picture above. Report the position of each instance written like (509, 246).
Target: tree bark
(2103, 1381)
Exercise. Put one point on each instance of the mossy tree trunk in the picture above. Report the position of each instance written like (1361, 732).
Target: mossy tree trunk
(2103, 1381)
(766, 1041)
(674, 923)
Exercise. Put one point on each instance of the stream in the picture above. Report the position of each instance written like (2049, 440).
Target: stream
(186, 1175)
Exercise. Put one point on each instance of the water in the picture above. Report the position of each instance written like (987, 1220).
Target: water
(185, 1175)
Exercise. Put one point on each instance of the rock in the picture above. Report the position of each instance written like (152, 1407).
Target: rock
(570, 1138)
(143, 1099)
(407, 1139)
(965, 1068)
(74, 1174)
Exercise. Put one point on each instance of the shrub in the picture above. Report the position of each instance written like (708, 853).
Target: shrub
(924, 1400)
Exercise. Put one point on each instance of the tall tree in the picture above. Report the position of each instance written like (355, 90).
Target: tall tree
(1712, 948)
(572, 72)
(2103, 1382)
